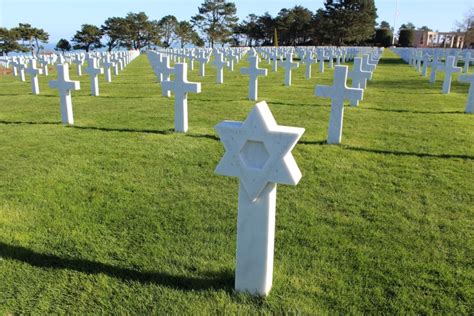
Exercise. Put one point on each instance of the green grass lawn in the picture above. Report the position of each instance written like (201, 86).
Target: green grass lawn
(118, 214)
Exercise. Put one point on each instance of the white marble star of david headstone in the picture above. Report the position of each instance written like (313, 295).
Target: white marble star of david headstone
(258, 151)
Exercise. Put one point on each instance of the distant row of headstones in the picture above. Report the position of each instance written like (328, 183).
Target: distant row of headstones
(443, 60)
(225, 58)
(97, 63)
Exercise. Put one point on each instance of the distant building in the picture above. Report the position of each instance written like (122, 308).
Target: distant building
(425, 39)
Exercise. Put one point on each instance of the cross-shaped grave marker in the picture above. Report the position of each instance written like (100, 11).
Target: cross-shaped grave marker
(34, 72)
(359, 78)
(108, 65)
(94, 71)
(289, 65)
(469, 78)
(181, 87)
(65, 85)
(338, 92)
(220, 63)
(253, 71)
(308, 60)
(449, 68)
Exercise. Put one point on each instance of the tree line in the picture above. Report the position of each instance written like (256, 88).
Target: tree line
(338, 22)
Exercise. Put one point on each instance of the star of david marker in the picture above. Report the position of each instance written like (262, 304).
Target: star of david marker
(258, 152)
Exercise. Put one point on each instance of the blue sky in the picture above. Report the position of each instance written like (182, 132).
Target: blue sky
(61, 18)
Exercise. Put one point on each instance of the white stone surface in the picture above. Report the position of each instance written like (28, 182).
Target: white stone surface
(108, 66)
(94, 71)
(220, 63)
(469, 78)
(449, 68)
(308, 61)
(338, 92)
(359, 78)
(65, 85)
(289, 65)
(33, 71)
(253, 72)
(181, 87)
(258, 152)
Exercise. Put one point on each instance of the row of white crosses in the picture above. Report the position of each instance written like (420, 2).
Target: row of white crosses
(421, 59)
(160, 63)
(28, 64)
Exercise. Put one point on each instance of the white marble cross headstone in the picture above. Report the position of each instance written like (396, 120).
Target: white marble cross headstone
(253, 71)
(20, 66)
(469, 78)
(467, 61)
(338, 92)
(203, 59)
(108, 64)
(34, 72)
(359, 78)
(308, 61)
(94, 71)
(181, 87)
(220, 63)
(289, 65)
(258, 152)
(65, 85)
(449, 68)
(166, 71)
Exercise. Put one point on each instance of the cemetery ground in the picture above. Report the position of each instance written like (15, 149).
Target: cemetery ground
(119, 214)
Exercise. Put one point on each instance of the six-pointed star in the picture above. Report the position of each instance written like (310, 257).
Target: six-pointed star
(258, 151)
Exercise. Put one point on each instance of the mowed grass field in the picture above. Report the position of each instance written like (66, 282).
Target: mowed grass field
(118, 214)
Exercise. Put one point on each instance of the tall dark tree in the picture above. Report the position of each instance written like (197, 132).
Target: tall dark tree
(216, 19)
(344, 22)
(9, 41)
(87, 38)
(406, 38)
(63, 45)
(115, 30)
(407, 26)
(384, 25)
(140, 30)
(31, 37)
(168, 25)
(294, 26)
(187, 35)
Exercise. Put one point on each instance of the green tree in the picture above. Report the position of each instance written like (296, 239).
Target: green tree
(406, 38)
(63, 45)
(425, 28)
(407, 26)
(115, 30)
(168, 26)
(87, 38)
(216, 19)
(385, 25)
(294, 25)
(141, 31)
(187, 35)
(9, 41)
(31, 37)
(343, 22)
(383, 37)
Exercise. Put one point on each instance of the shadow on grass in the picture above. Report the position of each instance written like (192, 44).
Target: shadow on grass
(29, 123)
(414, 112)
(404, 153)
(387, 152)
(392, 61)
(222, 280)
(124, 130)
